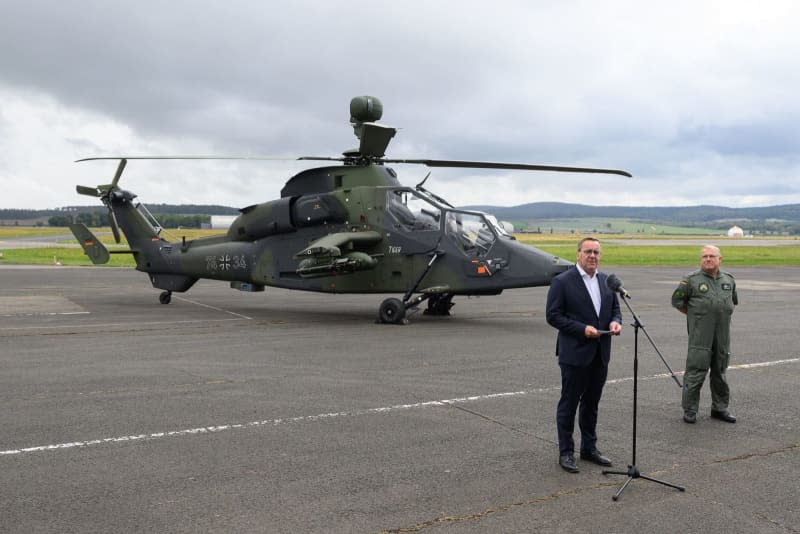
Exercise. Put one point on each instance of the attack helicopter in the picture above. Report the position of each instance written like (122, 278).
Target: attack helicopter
(351, 227)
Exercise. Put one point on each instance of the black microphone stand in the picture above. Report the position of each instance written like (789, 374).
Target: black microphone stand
(633, 471)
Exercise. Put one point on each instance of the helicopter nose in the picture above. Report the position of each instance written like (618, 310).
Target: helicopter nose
(529, 267)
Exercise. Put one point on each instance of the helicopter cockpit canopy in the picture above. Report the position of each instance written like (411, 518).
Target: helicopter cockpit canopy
(472, 232)
(499, 226)
(412, 211)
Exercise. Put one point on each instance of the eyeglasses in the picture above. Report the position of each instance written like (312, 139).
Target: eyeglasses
(709, 256)
(591, 252)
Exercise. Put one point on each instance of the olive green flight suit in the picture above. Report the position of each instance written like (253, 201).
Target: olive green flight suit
(709, 302)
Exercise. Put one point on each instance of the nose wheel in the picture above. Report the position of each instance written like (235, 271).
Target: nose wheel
(165, 297)
(392, 311)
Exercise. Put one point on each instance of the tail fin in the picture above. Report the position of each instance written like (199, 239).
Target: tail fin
(92, 246)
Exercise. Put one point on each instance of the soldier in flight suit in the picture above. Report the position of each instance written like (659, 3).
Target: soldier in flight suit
(707, 297)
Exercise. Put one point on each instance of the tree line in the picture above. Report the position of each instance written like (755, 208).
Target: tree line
(100, 218)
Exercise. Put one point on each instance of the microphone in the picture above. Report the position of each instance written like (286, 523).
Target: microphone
(615, 284)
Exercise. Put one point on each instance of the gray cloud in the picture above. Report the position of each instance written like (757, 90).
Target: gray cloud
(766, 138)
(692, 104)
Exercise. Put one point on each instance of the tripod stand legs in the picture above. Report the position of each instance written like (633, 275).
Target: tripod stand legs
(633, 473)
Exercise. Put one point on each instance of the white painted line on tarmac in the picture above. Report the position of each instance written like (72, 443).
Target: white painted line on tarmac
(336, 415)
(113, 325)
(214, 308)
(763, 364)
(37, 314)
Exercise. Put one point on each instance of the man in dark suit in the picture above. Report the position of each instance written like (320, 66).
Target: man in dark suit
(586, 314)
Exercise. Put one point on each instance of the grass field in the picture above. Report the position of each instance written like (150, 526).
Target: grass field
(623, 226)
(68, 252)
(23, 232)
(16, 232)
(665, 254)
(562, 245)
(623, 255)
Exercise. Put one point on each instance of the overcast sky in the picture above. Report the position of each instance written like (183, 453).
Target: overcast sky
(699, 100)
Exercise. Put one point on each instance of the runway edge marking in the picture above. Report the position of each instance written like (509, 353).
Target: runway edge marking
(334, 415)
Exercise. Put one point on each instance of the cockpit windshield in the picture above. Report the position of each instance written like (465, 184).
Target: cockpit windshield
(470, 231)
(498, 226)
(413, 212)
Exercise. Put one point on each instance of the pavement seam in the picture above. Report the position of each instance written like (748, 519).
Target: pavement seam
(788, 448)
(762, 454)
(447, 519)
(500, 423)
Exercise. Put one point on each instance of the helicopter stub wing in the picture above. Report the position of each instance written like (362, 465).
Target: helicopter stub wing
(331, 245)
(435, 290)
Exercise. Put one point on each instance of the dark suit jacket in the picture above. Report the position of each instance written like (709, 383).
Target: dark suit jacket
(570, 309)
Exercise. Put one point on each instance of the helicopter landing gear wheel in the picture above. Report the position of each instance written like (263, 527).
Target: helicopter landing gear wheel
(165, 297)
(392, 311)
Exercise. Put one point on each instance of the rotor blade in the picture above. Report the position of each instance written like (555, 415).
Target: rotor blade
(321, 158)
(255, 158)
(118, 174)
(89, 191)
(428, 162)
(494, 165)
(112, 220)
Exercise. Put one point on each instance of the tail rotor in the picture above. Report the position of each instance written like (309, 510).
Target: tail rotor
(104, 193)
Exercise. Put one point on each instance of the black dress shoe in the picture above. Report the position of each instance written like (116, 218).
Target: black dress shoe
(567, 463)
(690, 417)
(596, 458)
(724, 415)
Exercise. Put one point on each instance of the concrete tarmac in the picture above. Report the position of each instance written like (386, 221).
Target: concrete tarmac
(294, 412)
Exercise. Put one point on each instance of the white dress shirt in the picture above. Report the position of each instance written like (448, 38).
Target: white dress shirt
(592, 286)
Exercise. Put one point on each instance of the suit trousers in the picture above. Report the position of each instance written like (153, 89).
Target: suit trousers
(581, 389)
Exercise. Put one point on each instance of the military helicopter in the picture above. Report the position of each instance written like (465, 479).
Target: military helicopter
(347, 228)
